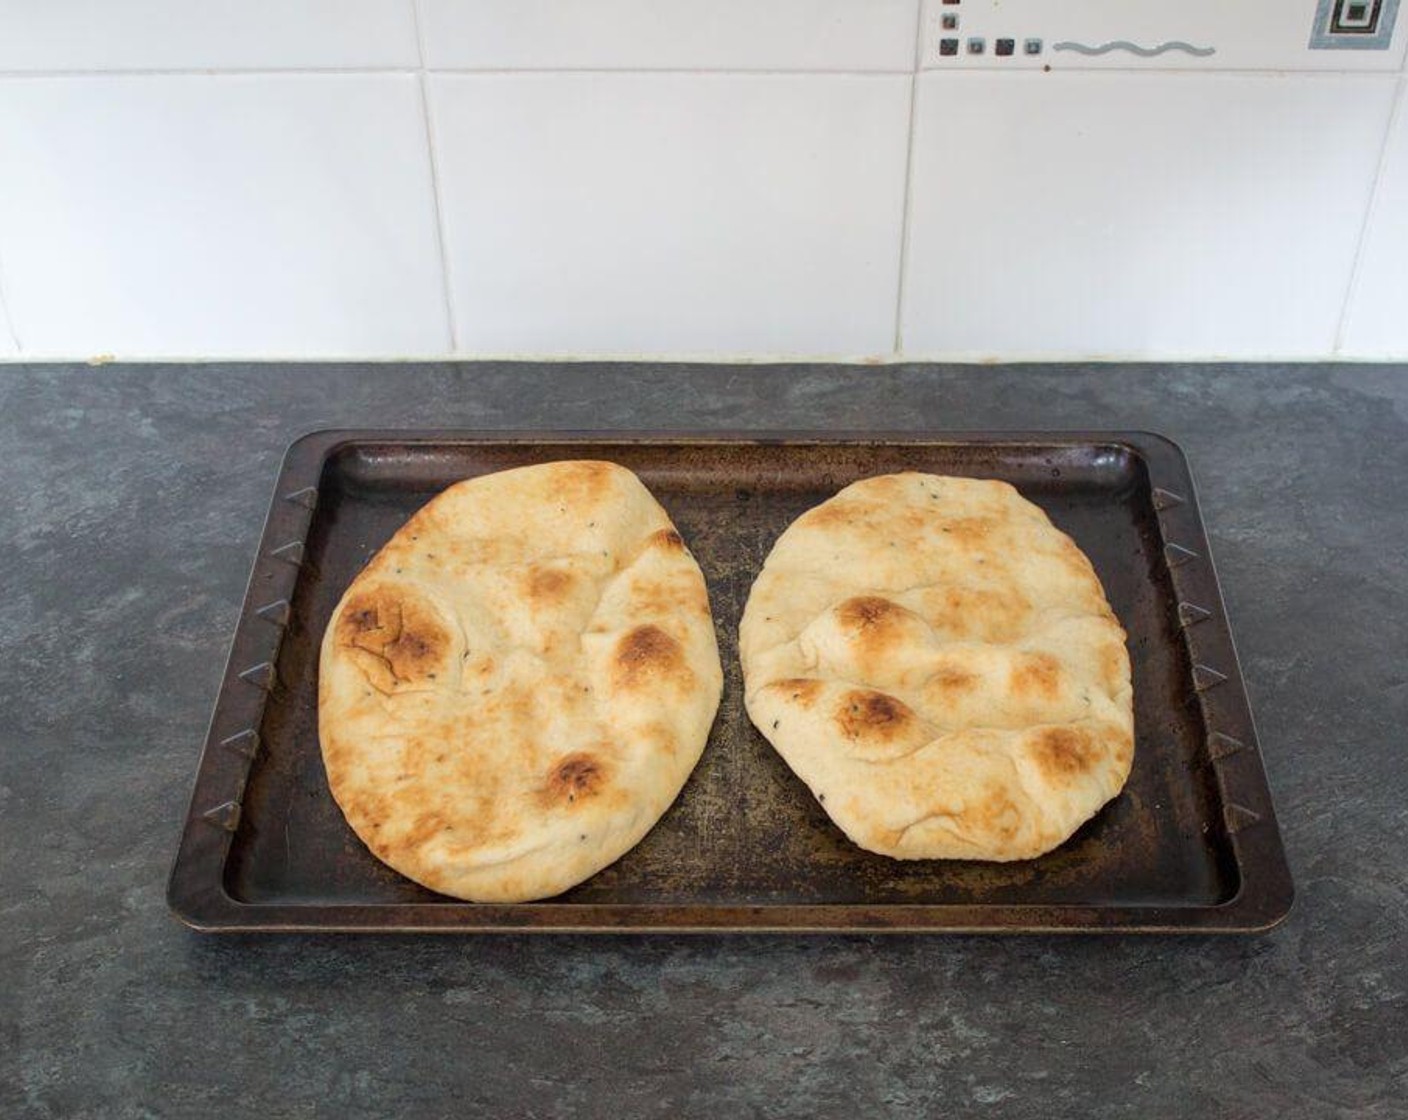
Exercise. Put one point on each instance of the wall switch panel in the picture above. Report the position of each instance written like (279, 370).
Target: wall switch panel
(1281, 35)
(1354, 25)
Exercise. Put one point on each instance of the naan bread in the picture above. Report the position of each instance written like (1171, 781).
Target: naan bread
(517, 686)
(938, 663)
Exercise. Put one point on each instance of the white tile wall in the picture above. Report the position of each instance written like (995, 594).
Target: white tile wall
(205, 34)
(1094, 214)
(1376, 319)
(151, 216)
(737, 178)
(9, 342)
(670, 34)
(673, 213)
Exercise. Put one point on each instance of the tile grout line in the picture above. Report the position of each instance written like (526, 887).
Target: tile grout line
(897, 344)
(1371, 208)
(723, 71)
(1053, 72)
(6, 320)
(435, 183)
(695, 71)
(203, 72)
(465, 71)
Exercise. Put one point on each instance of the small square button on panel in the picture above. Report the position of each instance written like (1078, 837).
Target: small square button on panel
(950, 21)
(977, 46)
(1032, 46)
(948, 47)
(1004, 47)
(1355, 15)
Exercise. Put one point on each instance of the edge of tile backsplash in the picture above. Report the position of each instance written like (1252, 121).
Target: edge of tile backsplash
(908, 178)
(860, 361)
(1397, 111)
(7, 324)
(898, 354)
(434, 160)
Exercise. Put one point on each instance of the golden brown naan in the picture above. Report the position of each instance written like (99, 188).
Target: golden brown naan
(938, 663)
(517, 686)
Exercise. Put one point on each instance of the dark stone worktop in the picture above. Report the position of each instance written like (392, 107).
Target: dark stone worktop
(133, 497)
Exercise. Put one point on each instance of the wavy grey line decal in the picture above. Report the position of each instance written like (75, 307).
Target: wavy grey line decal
(1135, 48)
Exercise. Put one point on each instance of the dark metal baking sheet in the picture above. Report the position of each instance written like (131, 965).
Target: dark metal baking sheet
(1191, 845)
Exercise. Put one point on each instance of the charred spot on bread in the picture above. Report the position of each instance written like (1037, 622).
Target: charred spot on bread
(1123, 750)
(995, 815)
(582, 483)
(363, 619)
(954, 680)
(1036, 674)
(801, 690)
(874, 626)
(677, 595)
(1063, 753)
(574, 777)
(401, 640)
(969, 532)
(667, 539)
(865, 611)
(1114, 666)
(833, 514)
(863, 713)
(646, 655)
(547, 586)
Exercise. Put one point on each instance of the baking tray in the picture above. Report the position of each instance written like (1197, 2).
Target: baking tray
(1191, 845)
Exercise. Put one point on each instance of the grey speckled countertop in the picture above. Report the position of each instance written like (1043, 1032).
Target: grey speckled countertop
(132, 501)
